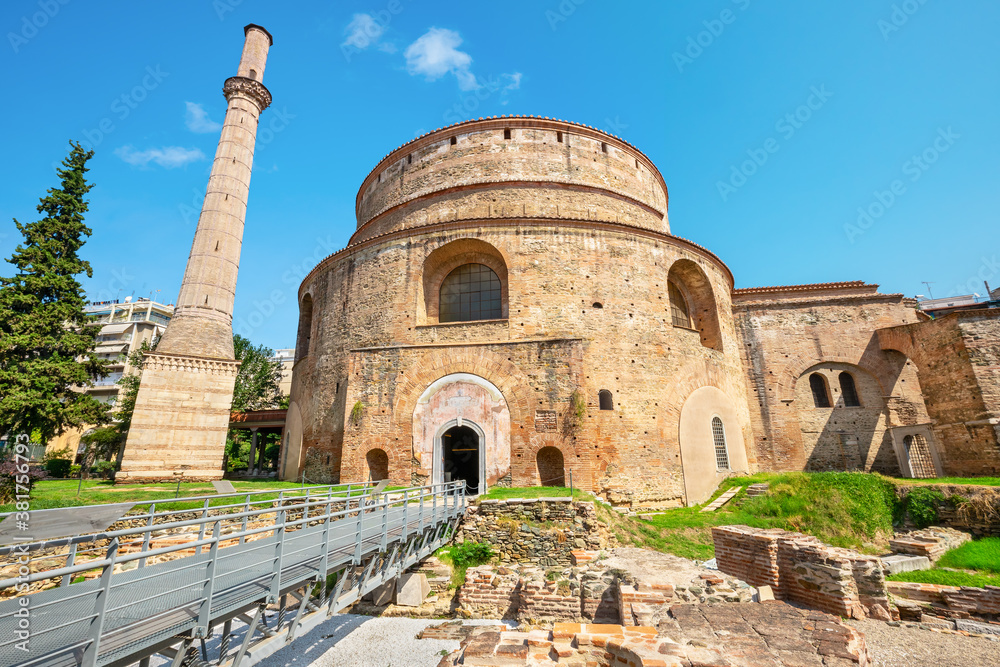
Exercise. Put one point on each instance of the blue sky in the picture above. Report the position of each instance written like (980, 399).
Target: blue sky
(801, 142)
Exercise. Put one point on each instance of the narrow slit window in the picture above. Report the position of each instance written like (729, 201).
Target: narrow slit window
(719, 436)
(506, 133)
(454, 140)
(605, 400)
(604, 147)
(559, 137)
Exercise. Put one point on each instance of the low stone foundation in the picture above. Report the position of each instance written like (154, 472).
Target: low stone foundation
(800, 568)
(951, 601)
(930, 542)
(543, 531)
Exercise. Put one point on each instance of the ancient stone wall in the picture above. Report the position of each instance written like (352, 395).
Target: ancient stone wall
(800, 568)
(576, 233)
(789, 333)
(539, 530)
(957, 358)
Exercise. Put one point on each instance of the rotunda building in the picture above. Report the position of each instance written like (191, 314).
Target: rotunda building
(513, 310)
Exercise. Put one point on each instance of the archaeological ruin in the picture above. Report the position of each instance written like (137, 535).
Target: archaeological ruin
(514, 310)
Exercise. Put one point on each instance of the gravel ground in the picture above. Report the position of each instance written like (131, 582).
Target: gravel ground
(348, 640)
(889, 646)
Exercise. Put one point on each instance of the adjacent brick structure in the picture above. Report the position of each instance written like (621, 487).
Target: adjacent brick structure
(800, 568)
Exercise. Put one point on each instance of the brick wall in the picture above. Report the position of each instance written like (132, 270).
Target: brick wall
(958, 357)
(802, 569)
(974, 509)
(790, 333)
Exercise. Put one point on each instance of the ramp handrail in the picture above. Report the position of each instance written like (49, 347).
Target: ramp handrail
(231, 540)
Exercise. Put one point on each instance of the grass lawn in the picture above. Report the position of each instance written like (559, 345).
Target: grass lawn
(843, 509)
(971, 481)
(52, 493)
(503, 493)
(947, 578)
(982, 555)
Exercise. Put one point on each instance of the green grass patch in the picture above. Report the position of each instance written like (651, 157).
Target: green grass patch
(947, 578)
(504, 493)
(49, 494)
(460, 557)
(853, 510)
(970, 481)
(982, 555)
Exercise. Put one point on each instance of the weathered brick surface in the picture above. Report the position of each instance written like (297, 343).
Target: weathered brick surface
(790, 333)
(373, 337)
(958, 358)
(964, 601)
(929, 542)
(800, 568)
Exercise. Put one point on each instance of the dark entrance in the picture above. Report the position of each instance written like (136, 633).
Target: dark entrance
(460, 449)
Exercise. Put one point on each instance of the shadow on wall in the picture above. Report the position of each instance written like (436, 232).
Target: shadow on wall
(712, 446)
(844, 420)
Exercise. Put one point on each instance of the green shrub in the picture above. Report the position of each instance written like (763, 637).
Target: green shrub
(470, 554)
(74, 470)
(921, 506)
(104, 469)
(57, 467)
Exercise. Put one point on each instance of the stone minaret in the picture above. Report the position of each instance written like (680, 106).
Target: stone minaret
(182, 410)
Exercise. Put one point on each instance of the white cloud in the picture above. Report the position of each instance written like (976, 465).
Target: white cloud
(363, 31)
(514, 79)
(168, 157)
(435, 54)
(197, 120)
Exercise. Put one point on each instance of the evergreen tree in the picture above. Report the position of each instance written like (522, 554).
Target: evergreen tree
(129, 387)
(259, 378)
(46, 347)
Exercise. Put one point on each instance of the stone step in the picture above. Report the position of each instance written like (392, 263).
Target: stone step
(722, 500)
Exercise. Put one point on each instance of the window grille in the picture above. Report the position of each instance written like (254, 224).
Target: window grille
(849, 390)
(679, 314)
(470, 292)
(719, 435)
(821, 395)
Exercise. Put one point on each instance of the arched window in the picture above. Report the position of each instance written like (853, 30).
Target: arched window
(305, 328)
(849, 390)
(605, 400)
(821, 394)
(378, 465)
(680, 316)
(471, 292)
(719, 436)
(550, 467)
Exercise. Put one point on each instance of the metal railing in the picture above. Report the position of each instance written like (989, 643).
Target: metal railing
(171, 578)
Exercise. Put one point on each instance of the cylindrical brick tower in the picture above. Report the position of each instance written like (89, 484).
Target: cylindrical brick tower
(513, 310)
(182, 409)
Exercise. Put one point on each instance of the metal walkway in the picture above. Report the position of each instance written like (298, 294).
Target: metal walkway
(176, 577)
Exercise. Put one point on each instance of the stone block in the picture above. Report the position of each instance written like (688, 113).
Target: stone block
(382, 595)
(897, 563)
(977, 627)
(412, 589)
(764, 594)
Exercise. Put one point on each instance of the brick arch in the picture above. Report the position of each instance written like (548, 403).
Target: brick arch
(693, 283)
(494, 368)
(525, 472)
(692, 376)
(797, 366)
(449, 256)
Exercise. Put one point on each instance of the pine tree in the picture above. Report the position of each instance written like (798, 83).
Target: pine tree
(46, 347)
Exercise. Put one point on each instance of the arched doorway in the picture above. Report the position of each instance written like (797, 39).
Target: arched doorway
(378, 465)
(460, 456)
(550, 467)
